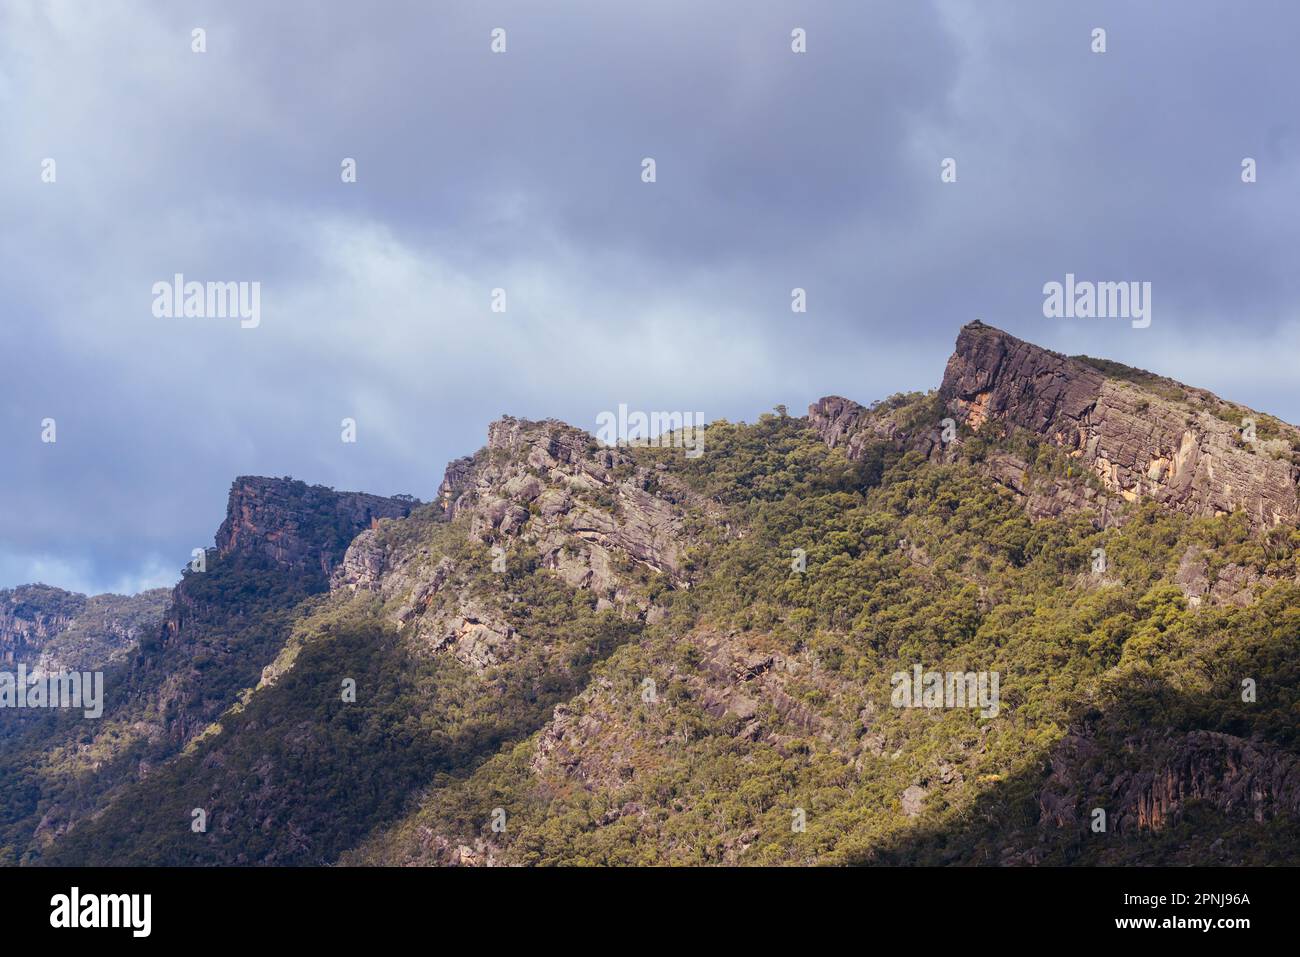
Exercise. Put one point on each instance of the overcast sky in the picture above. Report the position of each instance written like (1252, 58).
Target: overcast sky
(522, 170)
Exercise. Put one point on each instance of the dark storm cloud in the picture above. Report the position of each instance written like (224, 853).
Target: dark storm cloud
(522, 171)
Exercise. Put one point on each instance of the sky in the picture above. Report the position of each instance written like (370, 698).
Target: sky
(523, 171)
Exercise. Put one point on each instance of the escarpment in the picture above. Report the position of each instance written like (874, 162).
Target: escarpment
(1142, 436)
(299, 525)
(31, 615)
(49, 629)
(1137, 436)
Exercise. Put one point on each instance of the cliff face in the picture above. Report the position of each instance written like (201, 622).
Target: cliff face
(1172, 771)
(466, 625)
(1144, 437)
(994, 376)
(186, 653)
(50, 629)
(298, 525)
(300, 531)
(30, 616)
(590, 514)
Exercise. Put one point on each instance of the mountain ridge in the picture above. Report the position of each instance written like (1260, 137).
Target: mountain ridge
(638, 656)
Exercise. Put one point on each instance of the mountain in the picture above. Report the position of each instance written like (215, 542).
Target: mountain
(207, 640)
(587, 654)
(54, 630)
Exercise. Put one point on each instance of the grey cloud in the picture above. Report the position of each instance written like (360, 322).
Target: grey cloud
(522, 171)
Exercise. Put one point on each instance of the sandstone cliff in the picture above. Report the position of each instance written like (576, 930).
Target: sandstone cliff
(1139, 436)
(1143, 436)
(50, 629)
(299, 525)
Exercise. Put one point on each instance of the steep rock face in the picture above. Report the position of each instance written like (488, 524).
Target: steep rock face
(592, 515)
(588, 511)
(299, 525)
(587, 505)
(843, 423)
(286, 532)
(50, 629)
(1231, 774)
(994, 376)
(1234, 775)
(726, 707)
(209, 639)
(1143, 437)
(30, 615)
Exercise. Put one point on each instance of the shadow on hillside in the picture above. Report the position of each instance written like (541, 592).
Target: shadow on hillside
(1182, 779)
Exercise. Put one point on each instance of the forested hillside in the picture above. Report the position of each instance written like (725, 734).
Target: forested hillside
(590, 655)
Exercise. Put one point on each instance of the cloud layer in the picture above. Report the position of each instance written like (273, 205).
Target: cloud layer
(522, 171)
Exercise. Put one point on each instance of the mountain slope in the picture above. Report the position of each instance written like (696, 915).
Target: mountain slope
(221, 626)
(582, 654)
(454, 651)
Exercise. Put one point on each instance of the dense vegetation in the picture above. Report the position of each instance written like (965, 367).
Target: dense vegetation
(299, 774)
(58, 767)
(1103, 675)
(908, 561)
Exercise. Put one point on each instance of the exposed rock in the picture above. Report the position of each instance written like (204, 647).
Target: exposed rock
(843, 423)
(1231, 774)
(454, 481)
(1192, 576)
(742, 706)
(913, 800)
(30, 615)
(994, 376)
(299, 525)
(363, 565)
(1141, 436)
(584, 508)
(1129, 432)
(52, 630)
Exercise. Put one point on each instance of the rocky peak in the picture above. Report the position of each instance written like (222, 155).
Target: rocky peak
(563, 441)
(992, 375)
(589, 513)
(555, 486)
(835, 419)
(1143, 436)
(299, 525)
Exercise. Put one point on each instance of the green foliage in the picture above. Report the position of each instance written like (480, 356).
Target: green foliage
(297, 774)
(908, 561)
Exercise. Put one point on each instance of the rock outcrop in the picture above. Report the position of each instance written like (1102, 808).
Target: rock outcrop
(299, 525)
(49, 629)
(585, 508)
(1233, 775)
(1144, 437)
(591, 514)
(843, 423)
(527, 644)
(30, 615)
(1141, 436)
